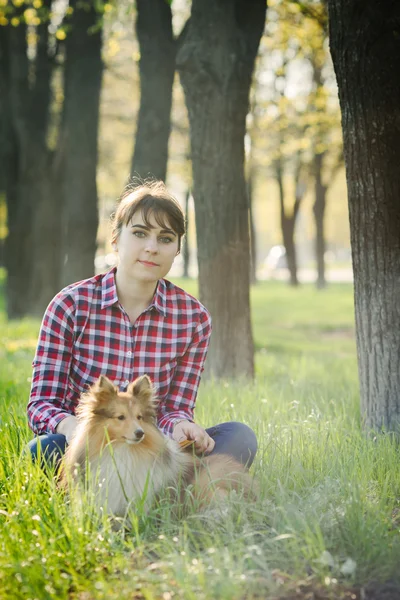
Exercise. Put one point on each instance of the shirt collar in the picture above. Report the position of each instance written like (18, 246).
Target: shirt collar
(108, 289)
(160, 297)
(109, 293)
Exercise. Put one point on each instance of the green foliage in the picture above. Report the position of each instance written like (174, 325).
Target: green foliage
(329, 495)
(24, 12)
(295, 96)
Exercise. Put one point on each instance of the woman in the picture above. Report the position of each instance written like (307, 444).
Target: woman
(125, 323)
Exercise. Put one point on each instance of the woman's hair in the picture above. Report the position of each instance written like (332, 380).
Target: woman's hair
(150, 198)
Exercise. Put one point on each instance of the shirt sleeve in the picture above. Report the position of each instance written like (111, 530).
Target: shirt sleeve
(180, 402)
(51, 366)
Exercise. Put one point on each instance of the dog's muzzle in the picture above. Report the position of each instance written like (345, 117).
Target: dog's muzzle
(137, 438)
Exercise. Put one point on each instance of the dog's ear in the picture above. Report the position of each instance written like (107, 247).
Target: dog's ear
(142, 390)
(103, 389)
(141, 387)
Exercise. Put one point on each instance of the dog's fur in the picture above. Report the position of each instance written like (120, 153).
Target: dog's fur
(125, 458)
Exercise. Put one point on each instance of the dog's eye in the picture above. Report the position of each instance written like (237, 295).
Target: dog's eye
(121, 418)
(139, 418)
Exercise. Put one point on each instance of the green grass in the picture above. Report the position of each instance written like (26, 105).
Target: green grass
(328, 494)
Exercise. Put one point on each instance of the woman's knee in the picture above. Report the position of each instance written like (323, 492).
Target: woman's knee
(49, 448)
(246, 439)
(236, 439)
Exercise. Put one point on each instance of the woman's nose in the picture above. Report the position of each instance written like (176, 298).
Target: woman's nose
(152, 245)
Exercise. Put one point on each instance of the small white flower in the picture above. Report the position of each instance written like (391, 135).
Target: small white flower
(326, 559)
(348, 567)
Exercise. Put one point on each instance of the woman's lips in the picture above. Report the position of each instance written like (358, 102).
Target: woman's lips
(148, 264)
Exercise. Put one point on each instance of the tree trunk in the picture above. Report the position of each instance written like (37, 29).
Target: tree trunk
(186, 248)
(365, 46)
(288, 224)
(27, 100)
(19, 215)
(78, 144)
(319, 214)
(216, 62)
(290, 247)
(157, 69)
(10, 169)
(46, 222)
(252, 230)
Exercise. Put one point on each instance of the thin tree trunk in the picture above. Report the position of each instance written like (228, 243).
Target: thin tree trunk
(320, 189)
(288, 224)
(319, 214)
(78, 144)
(290, 247)
(252, 230)
(157, 69)
(3, 135)
(186, 247)
(216, 62)
(364, 38)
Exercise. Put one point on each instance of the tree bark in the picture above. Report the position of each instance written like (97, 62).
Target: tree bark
(216, 62)
(157, 69)
(319, 215)
(365, 46)
(78, 150)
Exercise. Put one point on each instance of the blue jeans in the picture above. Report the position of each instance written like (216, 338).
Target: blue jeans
(232, 438)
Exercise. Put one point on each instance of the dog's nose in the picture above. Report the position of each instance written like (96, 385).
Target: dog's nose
(139, 433)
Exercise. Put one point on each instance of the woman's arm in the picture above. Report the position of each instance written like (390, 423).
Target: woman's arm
(181, 398)
(51, 367)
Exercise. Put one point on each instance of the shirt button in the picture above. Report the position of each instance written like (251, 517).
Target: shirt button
(126, 381)
(129, 353)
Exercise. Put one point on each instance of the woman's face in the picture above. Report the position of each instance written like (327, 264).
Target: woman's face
(146, 253)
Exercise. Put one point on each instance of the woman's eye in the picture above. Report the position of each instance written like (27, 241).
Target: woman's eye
(121, 418)
(166, 240)
(139, 234)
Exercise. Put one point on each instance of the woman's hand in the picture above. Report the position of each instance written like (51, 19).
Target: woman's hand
(185, 430)
(68, 427)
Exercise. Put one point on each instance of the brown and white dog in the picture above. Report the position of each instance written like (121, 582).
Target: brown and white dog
(126, 460)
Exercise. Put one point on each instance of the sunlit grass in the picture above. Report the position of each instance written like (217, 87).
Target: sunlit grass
(329, 507)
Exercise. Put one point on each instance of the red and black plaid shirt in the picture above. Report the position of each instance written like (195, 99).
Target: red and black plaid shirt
(86, 333)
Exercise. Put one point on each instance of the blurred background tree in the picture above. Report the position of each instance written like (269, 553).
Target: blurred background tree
(296, 119)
